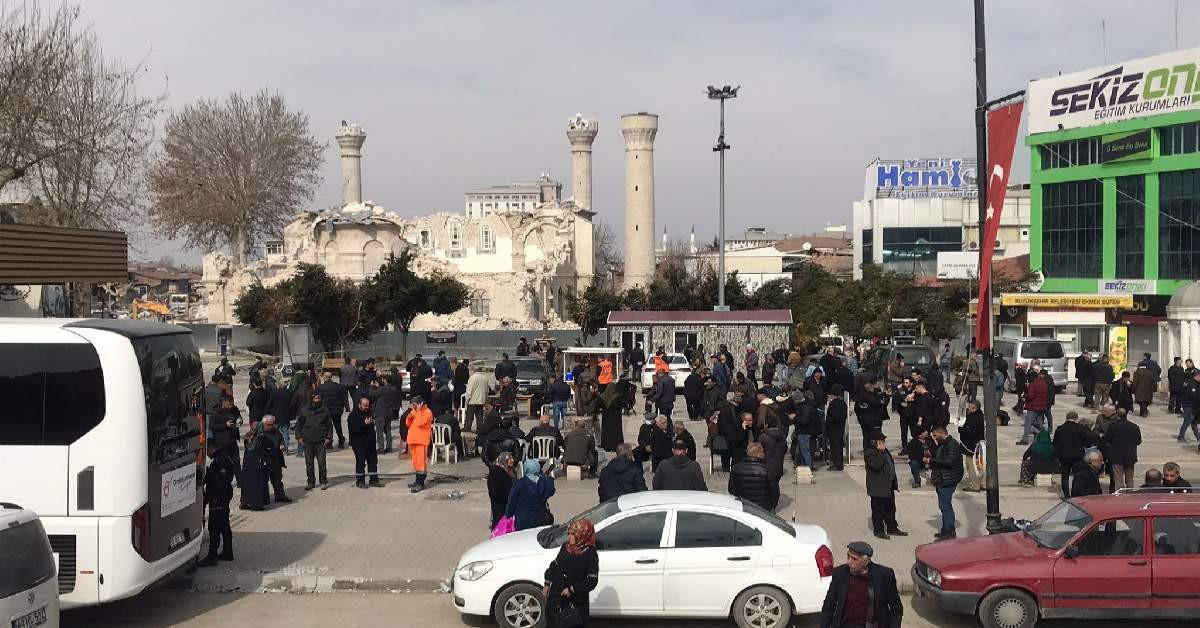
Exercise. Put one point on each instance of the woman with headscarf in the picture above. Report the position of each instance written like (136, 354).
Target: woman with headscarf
(529, 501)
(572, 574)
(1038, 459)
(611, 431)
(500, 483)
(255, 474)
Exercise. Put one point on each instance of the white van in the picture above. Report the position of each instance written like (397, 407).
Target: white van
(1047, 351)
(28, 588)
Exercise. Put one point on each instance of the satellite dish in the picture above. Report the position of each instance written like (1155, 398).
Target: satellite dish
(807, 246)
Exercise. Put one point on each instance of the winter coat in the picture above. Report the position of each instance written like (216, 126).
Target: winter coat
(212, 398)
(1122, 394)
(256, 404)
(751, 360)
(314, 424)
(1083, 367)
(751, 480)
(712, 400)
(679, 473)
(1037, 395)
(687, 438)
(1175, 379)
(1144, 384)
(881, 473)
(888, 610)
(619, 477)
(361, 433)
(1070, 439)
(441, 401)
(385, 403)
(1191, 394)
(224, 436)
(478, 389)
(333, 397)
(441, 368)
(730, 426)
(775, 446)
(1103, 372)
(529, 501)
(579, 447)
(505, 368)
(946, 464)
(972, 431)
(835, 418)
(808, 419)
(282, 405)
(766, 410)
(1084, 480)
(693, 387)
(420, 426)
(664, 391)
(218, 480)
(1122, 439)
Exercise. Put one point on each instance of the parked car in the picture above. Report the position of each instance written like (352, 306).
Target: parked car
(1131, 555)
(677, 366)
(1047, 351)
(28, 582)
(877, 359)
(662, 554)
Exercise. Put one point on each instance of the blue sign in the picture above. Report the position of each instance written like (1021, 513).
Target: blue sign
(925, 178)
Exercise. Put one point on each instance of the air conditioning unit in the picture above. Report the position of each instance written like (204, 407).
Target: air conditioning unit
(974, 246)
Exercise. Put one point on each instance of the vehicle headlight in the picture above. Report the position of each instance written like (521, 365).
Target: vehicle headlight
(933, 576)
(474, 571)
(535, 382)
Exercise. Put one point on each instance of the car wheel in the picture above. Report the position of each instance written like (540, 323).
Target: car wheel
(1008, 608)
(520, 606)
(762, 607)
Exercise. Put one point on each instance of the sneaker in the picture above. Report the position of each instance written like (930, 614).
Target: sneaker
(325, 486)
(309, 487)
(897, 532)
(416, 489)
(881, 535)
(360, 484)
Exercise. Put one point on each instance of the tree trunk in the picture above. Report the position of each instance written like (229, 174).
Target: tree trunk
(237, 245)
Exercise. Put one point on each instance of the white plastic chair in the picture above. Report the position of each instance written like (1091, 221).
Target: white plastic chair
(442, 440)
(542, 448)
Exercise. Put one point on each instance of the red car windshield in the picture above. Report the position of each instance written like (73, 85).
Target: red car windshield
(1059, 525)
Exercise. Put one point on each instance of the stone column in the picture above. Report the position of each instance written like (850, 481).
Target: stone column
(350, 138)
(639, 131)
(582, 132)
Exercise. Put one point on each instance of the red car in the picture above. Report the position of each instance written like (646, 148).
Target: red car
(1129, 555)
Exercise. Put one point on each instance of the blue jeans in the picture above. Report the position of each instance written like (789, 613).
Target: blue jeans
(804, 445)
(915, 467)
(1189, 419)
(944, 495)
(558, 410)
(1033, 424)
(287, 440)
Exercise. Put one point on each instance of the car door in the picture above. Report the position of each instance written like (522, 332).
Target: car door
(1175, 563)
(1107, 568)
(631, 564)
(712, 556)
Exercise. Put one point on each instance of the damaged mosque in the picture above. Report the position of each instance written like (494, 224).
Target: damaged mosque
(521, 249)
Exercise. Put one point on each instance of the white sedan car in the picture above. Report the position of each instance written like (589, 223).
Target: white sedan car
(662, 554)
(677, 366)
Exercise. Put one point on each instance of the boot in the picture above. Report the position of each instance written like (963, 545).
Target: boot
(420, 484)
(360, 484)
(375, 482)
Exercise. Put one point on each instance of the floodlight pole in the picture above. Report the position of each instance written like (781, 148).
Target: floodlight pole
(723, 94)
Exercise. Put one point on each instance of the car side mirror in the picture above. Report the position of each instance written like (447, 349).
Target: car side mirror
(1071, 552)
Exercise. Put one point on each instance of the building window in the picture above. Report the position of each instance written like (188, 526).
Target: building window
(1072, 153)
(1131, 226)
(868, 246)
(426, 239)
(915, 249)
(1181, 139)
(487, 239)
(1178, 220)
(481, 305)
(275, 248)
(1072, 229)
(455, 231)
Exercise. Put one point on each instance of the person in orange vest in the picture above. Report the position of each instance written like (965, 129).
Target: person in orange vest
(660, 362)
(420, 428)
(606, 373)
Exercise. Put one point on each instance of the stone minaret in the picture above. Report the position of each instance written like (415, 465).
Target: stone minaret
(582, 132)
(350, 138)
(639, 130)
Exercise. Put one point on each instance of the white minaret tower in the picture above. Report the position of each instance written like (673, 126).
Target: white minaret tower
(639, 130)
(692, 241)
(582, 132)
(664, 239)
(350, 138)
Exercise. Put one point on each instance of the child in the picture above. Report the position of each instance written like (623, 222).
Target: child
(218, 492)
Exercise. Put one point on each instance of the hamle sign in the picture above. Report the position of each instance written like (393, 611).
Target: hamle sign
(923, 178)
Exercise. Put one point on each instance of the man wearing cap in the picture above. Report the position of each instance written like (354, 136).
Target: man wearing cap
(882, 487)
(679, 473)
(862, 593)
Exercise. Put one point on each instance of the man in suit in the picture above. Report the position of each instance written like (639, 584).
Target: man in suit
(862, 593)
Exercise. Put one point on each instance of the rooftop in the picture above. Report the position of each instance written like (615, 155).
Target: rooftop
(782, 317)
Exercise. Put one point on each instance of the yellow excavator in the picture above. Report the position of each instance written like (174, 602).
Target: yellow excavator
(150, 307)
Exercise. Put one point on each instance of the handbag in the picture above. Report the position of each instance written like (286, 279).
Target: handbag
(720, 444)
(568, 615)
(506, 525)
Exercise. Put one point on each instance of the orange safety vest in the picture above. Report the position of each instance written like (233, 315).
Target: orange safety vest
(660, 365)
(605, 372)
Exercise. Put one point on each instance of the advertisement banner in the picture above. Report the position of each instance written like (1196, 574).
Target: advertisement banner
(939, 177)
(1133, 146)
(957, 265)
(178, 489)
(1118, 348)
(1002, 125)
(1086, 301)
(1166, 83)
(1126, 286)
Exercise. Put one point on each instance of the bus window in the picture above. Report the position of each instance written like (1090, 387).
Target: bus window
(54, 393)
(171, 372)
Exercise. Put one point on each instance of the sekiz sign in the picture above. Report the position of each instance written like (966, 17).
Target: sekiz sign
(1166, 83)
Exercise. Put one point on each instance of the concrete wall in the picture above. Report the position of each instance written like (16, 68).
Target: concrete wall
(763, 337)
(244, 337)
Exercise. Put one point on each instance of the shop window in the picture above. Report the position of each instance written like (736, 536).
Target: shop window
(1131, 226)
(868, 246)
(914, 249)
(1181, 139)
(1091, 339)
(1009, 331)
(1041, 332)
(1071, 153)
(1072, 229)
(1179, 215)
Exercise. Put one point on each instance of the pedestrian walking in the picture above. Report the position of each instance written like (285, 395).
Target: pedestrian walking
(862, 593)
(1122, 439)
(420, 429)
(970, 435)
(335, 403)
(1190, 404)
(946, 472)
(622, 475)
(882, 486)
(1103, 374)
(835, 426)
(478, 389)
(529, 501)
(560, 398)
(1145, 382)
(501, 474)
(1037, 402)
(751, 480)
(218, 493)
(361, 426)
(1085, 476)
(272, 449)
(571, 577)
(679, 473)
(1070, 441)
(314, 429)
(1176, 378)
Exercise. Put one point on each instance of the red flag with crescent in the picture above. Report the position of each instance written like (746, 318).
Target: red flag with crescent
(1002, 126)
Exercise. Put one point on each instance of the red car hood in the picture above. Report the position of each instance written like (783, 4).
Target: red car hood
(979, 549)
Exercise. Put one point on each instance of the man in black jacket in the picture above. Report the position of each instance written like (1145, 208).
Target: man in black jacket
(224, 426)
(314, 429)
(282, 405)
(734, 429)
(1083, 372)
(870, 404)
(882, 487)
(946, 472)
(269, 444)
(1176, 377)
(333, 397)
(1122, 439)
(361, 425)
(218, 492)
(385, 401)
(835, 426)
(1070, 439)
(1085, 479)
(679, 473)
(971, 435)
(693, 394)
(621, 475)
(751, 480)
(862, 593)
(1103, 375)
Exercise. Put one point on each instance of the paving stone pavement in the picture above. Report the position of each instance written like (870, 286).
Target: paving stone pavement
(386, 538)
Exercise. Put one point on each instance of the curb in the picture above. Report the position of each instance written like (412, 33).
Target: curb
(200, 582)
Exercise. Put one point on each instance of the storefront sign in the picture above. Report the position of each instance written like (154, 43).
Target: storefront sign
(1090, 301)
(923, 178)
(441, 337)
(1125, 147)
(957, 265)
(1118, 348)
(1164, 83)
(1126, 286)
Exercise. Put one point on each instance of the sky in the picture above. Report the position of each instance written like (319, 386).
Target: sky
(462, 94)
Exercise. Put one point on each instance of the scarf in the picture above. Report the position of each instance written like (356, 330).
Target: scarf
(580, 536)
(532, 469)
(1042, 444)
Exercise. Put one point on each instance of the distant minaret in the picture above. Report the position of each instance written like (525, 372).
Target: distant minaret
(664, 239)
(692, 241)
(639, 131)
(582, 132)
(350, 138)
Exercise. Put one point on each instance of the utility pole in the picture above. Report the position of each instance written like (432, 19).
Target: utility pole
(722, 94)
(989, 369)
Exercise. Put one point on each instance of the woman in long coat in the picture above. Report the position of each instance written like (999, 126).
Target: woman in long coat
(1144, 383)
(255, 475)
(529, 500)
(573, 573)
(611, 430)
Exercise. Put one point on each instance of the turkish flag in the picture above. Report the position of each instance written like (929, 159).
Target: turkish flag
(1002, 126)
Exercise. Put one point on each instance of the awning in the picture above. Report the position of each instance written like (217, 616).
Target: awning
(32, 254)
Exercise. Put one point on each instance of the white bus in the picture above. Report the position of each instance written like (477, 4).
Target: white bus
(97, 438)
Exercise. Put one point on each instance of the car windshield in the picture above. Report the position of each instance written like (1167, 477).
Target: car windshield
(917, 356)
(530, 368)
(556, 535)
(1059, 525)
(1041, 351)
(676, 360)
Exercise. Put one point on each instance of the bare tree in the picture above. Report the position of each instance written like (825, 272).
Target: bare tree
(233, 173)
(72, 124)
(605, 255)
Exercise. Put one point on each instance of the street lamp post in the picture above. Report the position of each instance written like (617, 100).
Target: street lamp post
(722, 94)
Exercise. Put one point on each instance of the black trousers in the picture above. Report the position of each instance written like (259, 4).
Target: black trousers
(365, 455)
(837, 449)
(867, 428)
(1064, 466)
(752, 375)
(474, 416)
(337, 428)
(1175, 402)
(277, 481)
(693, 408)
(219, 532)
(883, 514)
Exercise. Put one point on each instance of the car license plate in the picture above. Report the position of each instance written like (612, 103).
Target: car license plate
(36, 618)
(176, 541)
